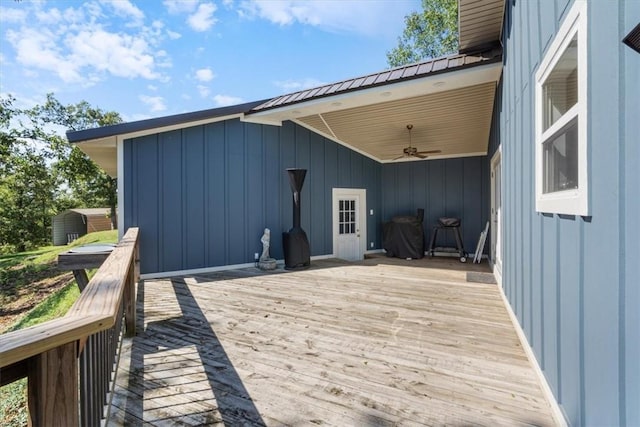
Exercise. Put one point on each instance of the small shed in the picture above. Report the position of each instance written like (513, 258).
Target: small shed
(73, 223)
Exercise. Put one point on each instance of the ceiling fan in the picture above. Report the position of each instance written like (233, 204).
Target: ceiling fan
(412, 151)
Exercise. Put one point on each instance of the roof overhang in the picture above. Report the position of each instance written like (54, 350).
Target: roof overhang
(448, 100)
(449, 111)
(101, 144)
(479, 24)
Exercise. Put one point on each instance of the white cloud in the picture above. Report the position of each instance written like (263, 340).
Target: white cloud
(73, 45)
(124, 8)
(180, 6)
(13, 15)
(295, 85)
(357, 16)
(49, 17)
(204, 75)
(204, 91)
(121, 55)
(39, 49)
(225, 100)
(75, 16)
(173, 35)
(156, 103)
(203, 18)
(152, 87)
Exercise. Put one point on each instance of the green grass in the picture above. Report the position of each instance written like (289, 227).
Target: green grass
(51, 253)
(54, 306)
(47, 254)
(28, 266)
(13, 411)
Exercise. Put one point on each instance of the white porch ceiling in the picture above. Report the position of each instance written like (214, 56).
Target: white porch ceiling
(449, 112)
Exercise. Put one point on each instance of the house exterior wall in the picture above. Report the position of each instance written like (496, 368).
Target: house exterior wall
(446, 187)
(202, 195)
(573, 281)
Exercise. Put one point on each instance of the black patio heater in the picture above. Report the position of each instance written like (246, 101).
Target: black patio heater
(295, 242)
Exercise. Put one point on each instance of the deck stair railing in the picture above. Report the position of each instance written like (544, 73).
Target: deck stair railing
(70, 362)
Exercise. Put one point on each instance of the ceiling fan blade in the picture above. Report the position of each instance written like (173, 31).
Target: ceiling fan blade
(420, 156)
(430, 152)
(398, 158)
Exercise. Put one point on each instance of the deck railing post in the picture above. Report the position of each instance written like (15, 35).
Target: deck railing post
(53, 387)
(130, 302)
(130, 294)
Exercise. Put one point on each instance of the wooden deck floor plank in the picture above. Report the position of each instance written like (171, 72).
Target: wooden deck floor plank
(452, 313)
(403, 401)
(369, 371)
(421, 311)
(250, 334)
(383, 342)
(390, 355)
(472, 339)
(448, 307)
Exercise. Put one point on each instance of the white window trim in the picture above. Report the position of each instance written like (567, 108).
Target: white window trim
(575, 201)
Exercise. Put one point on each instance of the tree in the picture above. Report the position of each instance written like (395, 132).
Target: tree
(26, 191)
(90, 184)
(41, 173)
(427, 34)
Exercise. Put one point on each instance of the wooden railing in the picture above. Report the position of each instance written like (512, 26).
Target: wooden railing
(70, 361)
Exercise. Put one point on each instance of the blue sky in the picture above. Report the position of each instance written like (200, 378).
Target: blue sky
(154, 58)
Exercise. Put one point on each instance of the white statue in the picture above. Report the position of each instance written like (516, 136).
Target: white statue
(265, 239)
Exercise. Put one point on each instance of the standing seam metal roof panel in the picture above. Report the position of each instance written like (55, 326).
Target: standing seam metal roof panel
(406, 72)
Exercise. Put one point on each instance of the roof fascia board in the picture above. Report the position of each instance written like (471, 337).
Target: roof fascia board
(112, 140)
(145, 132)
(181, 120)
(374, 95)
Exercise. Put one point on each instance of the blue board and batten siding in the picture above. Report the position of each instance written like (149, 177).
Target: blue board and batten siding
(443, 188)
(202, 195)
(573, 281)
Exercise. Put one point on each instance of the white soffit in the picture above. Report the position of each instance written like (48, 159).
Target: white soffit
(479, 22)
(103, 152)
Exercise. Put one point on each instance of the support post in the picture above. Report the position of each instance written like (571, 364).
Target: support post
(130, 301)
(53, 393)
(81, 278)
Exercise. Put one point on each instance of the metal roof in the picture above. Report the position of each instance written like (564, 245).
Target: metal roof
(88, 211)
(395, 75)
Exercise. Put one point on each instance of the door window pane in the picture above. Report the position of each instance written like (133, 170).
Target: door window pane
(347, 216)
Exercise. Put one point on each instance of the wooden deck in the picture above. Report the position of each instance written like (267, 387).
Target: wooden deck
(379, 343)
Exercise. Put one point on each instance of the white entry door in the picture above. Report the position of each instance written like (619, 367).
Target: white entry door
(496, 214)
(349, 223)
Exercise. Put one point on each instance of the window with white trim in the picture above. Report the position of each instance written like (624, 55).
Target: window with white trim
(561, 115)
